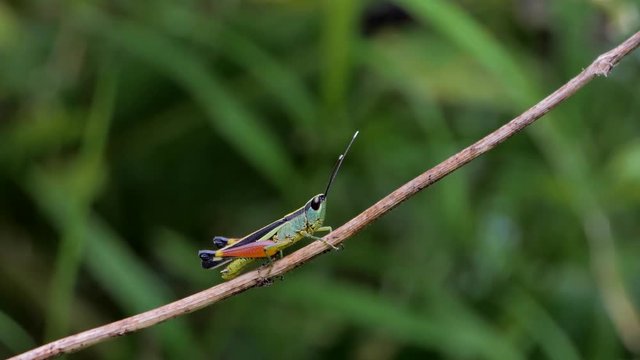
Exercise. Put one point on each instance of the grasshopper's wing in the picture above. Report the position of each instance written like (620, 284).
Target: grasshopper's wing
(264, 233)
(247, 244)
(267, 231)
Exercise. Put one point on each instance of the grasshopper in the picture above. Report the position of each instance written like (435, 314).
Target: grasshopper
(237, 253)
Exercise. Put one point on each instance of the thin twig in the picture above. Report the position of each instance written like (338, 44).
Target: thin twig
(601, 66)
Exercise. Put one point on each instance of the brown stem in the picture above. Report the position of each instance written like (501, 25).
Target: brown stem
(601, 66)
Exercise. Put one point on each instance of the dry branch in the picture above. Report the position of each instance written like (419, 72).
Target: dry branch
(601, 66)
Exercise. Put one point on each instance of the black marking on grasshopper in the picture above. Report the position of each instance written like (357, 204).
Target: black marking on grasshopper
(315, 202)
(209, 260)
(220, 241)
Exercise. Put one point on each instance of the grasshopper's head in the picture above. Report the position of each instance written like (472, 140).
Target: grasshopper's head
(314, 210)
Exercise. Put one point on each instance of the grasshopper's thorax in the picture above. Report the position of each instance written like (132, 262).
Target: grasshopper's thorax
(314, 211)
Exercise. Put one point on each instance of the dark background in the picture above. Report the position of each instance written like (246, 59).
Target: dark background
(131, 132)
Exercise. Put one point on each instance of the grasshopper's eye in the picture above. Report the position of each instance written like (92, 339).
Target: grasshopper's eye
(316, 201)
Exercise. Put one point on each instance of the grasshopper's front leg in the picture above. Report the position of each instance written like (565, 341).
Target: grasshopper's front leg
(307, 235)
(328, 229)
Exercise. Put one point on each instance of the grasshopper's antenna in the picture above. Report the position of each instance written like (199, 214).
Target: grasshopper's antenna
(338, 163)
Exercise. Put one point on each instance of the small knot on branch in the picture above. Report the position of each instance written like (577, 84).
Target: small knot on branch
(604, 64)
(607, 61)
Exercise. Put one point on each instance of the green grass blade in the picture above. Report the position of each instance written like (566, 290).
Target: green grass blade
(235, 122)
(79, 186)
(463, 337)
(13, 336)
(135, 287)
(562, 152)
(284, 85)
(340, 26)
(541, 327)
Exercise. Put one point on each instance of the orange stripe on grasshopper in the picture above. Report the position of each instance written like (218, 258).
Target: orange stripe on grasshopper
(257, 249)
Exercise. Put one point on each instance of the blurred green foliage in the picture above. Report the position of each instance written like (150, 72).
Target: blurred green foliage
(131, 132)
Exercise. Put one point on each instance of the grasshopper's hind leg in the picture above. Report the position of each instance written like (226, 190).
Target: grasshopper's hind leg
(233, 269)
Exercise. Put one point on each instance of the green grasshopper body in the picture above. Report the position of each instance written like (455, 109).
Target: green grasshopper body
(273, 238)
